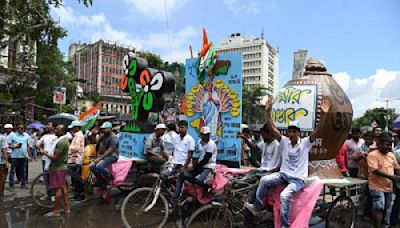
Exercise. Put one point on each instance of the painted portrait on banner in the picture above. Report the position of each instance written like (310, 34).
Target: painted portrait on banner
(213, 98)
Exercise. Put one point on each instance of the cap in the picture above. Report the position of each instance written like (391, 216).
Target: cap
(205, 130)
(161, 126)
(294, 124)
(106, 125)
(75, 123)
(8, 126)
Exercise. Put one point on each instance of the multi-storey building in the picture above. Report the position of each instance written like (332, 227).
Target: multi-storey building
(260, 61)
(99, 69)
(299, 62)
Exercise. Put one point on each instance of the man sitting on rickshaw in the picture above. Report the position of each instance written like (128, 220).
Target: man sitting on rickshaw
(155, 149)
(294, 168)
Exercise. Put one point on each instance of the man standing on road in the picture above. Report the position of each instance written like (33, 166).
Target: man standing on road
(382, 166)
(353, 149)
(75, 157)
(58, 171)
(108, 154)
(47, 144)
(3, 163)
(294, 168)
(21, 152)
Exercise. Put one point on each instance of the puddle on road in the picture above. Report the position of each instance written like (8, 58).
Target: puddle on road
(23, 213)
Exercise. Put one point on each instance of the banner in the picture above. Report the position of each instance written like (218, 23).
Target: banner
(59, 95)
(89, 118)
(296, 102)
(131, 145)
(215, 101)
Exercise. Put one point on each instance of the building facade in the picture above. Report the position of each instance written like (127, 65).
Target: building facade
(260, 61)
(99, 69)
(299, 62)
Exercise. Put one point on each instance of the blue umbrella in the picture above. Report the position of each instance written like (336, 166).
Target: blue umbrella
(396, 123)
(37, 126)
(65, 116)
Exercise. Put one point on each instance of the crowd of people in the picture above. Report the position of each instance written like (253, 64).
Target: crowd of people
(280, 159)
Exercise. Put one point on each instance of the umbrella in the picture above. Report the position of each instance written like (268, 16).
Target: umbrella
(37, 126)
(66, 116)
(396, 123)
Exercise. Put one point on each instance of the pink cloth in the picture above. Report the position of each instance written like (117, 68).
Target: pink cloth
(119, 170)
(302, 207)
(217, 183)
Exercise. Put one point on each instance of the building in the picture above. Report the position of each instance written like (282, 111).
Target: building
(299, 62)
(260, 61)
(99, 69)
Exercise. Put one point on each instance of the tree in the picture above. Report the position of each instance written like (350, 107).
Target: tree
(94, 96)
(377, 114)
(252, 109)
(154, 60)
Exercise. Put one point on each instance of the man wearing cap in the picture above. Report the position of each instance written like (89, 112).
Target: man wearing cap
(206, 161)
(184, 147)
(382, 166)
(8, 131)
(108, 154)
(294, 167)
(75, 157)
(154, 148)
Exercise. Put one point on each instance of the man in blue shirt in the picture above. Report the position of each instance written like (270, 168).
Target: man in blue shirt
(19, 143)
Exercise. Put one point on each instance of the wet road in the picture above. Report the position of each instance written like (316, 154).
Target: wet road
(17, 210)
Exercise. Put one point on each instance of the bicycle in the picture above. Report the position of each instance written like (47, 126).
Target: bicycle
(138, 177)
(226, 207)
(151, 207)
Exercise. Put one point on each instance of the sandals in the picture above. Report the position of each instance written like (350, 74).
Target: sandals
(52, 214)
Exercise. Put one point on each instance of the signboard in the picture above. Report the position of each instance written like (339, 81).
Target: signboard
(59, 95)
(131, 145)
(215, 101)
(296, 102)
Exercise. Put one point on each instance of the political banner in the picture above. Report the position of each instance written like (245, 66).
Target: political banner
(213, 99)
(296, 102)
(131, 145)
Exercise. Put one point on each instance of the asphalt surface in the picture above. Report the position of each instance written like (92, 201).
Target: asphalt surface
(17, 210)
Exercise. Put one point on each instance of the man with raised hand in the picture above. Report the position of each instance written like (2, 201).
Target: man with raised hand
(294, 168)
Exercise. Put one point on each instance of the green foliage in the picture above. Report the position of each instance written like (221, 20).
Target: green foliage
(377, 114)
(252, 109)
(94, 96)
(154, 60)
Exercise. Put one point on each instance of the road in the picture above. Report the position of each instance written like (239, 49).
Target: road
(17, 210)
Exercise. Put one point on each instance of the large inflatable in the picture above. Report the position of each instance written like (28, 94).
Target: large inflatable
(147, 87)
(300, 100)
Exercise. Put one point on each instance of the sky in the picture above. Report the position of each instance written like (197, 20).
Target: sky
(357, 40)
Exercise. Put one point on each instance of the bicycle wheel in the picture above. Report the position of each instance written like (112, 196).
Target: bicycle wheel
(342, 213)
(214, 216)
(40, 193)
(132, 213)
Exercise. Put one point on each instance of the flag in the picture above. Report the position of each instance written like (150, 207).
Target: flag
(88, 119)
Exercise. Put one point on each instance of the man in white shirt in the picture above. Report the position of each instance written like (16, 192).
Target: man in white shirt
(47, 144)
(168, 138)
(294, 168)
(270, 154)
(184, 147)
(207, 160)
